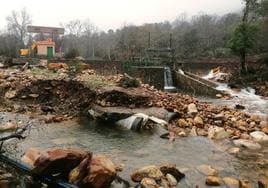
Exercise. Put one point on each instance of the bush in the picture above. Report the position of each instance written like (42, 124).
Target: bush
(127, 82)
(72, 53)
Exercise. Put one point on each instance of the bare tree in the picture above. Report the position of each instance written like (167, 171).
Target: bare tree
(17, 24)
(89, 31)
(74, 27)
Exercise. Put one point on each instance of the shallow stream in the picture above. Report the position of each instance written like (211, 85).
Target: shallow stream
(135, 150)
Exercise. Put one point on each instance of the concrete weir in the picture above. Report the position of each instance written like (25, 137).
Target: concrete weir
(193, 83)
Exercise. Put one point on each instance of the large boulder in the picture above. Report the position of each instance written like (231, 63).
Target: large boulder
(147, 172)
(101, 174)
(96, 172)
(58, 161)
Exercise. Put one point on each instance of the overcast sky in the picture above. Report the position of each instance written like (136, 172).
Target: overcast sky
(113, 14)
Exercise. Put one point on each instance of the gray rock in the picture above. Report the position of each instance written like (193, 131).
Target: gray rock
(234, 150)
(217, 133)
(207, 170)
(259, 136)
(248, 144)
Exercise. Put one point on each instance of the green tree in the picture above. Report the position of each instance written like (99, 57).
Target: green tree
(243, 41)
(245, 35)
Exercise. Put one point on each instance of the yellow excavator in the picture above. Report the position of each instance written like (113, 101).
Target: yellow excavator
(27, 51)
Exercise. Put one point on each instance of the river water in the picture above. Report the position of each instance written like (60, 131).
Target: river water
(254, 104)
(135, 150)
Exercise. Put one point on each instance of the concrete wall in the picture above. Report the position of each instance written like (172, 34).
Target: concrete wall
(210, 83)
(194, 86)
(149, 75)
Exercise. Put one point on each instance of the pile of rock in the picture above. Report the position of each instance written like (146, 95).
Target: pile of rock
(213, 179)
(65, 96)
(53, 96)
(118, 96)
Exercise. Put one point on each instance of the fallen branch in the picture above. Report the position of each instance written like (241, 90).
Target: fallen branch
(17, 134)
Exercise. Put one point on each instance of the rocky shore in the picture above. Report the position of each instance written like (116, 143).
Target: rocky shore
(55, 96)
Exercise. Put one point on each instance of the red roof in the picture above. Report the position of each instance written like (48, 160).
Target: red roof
(45, 42)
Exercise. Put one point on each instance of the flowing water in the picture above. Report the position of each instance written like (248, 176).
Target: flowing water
(136, 150)
(168, 80)
(246, 97)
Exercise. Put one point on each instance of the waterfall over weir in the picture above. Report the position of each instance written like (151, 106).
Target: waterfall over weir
(168, 80)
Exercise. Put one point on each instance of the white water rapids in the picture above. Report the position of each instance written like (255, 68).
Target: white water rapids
(253, 103)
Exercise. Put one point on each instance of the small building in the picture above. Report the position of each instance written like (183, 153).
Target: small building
(44, 48)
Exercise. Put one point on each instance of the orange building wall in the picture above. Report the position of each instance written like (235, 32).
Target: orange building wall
(42, 49)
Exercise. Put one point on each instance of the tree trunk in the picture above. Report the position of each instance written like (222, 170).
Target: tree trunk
(243, 63)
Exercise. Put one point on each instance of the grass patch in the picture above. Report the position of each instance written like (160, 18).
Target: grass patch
(95, 81)
(48, 74)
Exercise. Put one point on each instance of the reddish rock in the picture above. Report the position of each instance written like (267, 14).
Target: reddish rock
(53, 161)
(102, 172)
(57, 66)
(77, 175)
(30, 156)
(263, 183)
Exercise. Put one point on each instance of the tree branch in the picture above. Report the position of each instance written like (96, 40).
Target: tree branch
(17, 134)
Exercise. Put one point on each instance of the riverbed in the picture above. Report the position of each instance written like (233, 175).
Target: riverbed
(134, 150)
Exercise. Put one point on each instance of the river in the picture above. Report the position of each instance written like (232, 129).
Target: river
(135, 150)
